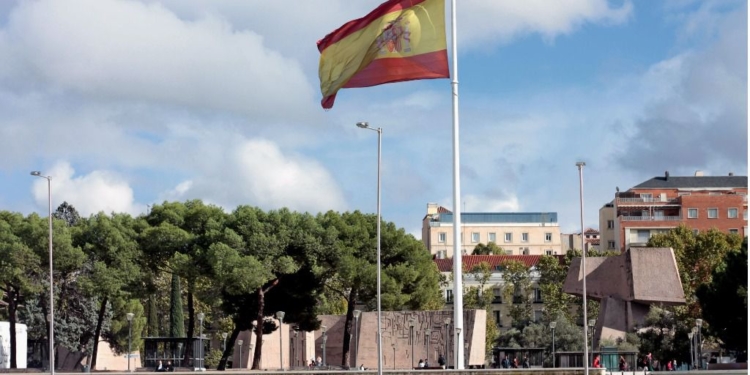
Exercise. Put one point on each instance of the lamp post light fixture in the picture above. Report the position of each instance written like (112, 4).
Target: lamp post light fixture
(239, 343)
(411, 339)
(280, 317)
(51, 284)
(580, 166)
(129, 316)
(200, 340)
(356, 338)
(552, 326)
(224, 336)
(365, 125)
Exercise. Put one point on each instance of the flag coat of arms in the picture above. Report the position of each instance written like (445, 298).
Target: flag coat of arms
(401, 40)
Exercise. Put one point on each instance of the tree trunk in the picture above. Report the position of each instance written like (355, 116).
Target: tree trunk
(228, 350)
(12, 307)
(259, 329)
(98, 332)
(191, 324)
(351, 303)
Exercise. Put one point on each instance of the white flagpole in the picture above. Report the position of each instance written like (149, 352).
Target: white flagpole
(458, 295)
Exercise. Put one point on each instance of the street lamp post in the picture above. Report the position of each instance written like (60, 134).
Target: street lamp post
(356, 338)
(365, 125)
(699, 343)
(552, 326)
(239, 343)
(200, 340)
(51, 285)
(323, 346)
(690, 337)
(280, 317)
(592, 322)
(456, 345)
(224, 336)
(447, 322)
(427, 345)
(411, 339)
(580, 166)
(129, 316)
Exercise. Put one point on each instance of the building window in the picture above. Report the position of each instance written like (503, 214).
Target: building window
(497, 318)
(548, 251)
(508, 252)
(548, 237)
(524, 251)
(475, 237)
(610, 224)
(713, 213)
(508, 237)
(497, 295)
(735, 231)
(643, 235)
(610, 244)
(744, 214)
(692, 213)
(524, 237)
(696, 231)
(732, 213)
(449, 296)
(491, 237)
(537, 295)
(441, 237)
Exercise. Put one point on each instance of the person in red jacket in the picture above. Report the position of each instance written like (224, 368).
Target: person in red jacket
(597, 362)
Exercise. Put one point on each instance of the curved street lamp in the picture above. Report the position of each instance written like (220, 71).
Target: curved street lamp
(552, 326)
(280, 317)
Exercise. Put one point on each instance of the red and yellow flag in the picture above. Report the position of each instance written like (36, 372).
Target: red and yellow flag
(401, 40)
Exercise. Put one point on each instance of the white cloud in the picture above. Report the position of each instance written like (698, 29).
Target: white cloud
(122, 50)
(257, 172)
(487, 23)
(97, 191)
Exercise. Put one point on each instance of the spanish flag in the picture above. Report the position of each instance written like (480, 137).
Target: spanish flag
(401, 40)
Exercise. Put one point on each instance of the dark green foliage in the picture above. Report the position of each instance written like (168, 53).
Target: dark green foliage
(488, 249)
(67, 213)
(153, 317)
(176, 318)
(724, 301)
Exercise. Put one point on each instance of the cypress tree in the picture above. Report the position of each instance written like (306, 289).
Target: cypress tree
(176, 319)
(153, 317)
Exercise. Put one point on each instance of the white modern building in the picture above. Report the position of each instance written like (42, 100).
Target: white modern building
(517, 233)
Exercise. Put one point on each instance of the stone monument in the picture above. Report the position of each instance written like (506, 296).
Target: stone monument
(626, 285)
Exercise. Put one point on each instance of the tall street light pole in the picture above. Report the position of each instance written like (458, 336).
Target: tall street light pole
(699, 343)
(200, 339)
(356, 338)
(239, 342)
(411, 339)
(365, 125)
(129, 316)
(51, 285)
(280, 317)
(224, 336)
(580, 166)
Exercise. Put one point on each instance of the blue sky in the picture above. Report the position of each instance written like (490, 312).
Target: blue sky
(128, 103)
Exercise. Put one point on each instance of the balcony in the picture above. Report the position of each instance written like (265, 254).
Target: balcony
(651, 218)
(647, 201)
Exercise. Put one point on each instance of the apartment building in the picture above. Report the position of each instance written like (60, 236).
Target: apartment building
(517, 233)
(500, 307)
(573, 240)
(662, 203)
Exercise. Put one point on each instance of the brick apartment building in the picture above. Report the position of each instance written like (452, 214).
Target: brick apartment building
(517, 233)
(662, 203)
